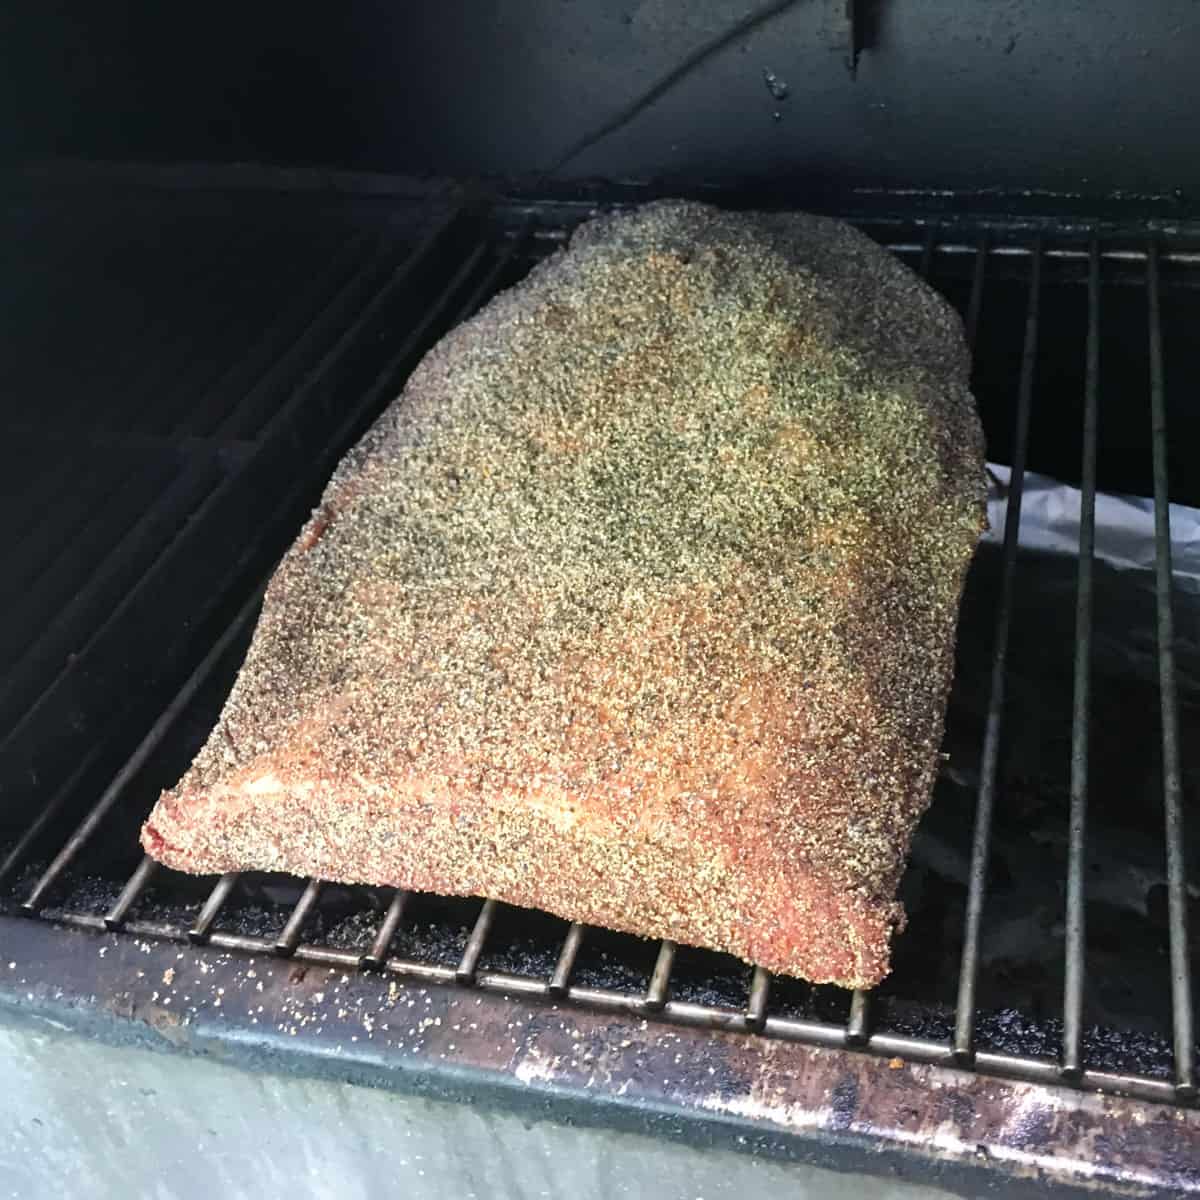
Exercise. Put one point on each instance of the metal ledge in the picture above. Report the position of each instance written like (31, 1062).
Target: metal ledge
(825, 1106)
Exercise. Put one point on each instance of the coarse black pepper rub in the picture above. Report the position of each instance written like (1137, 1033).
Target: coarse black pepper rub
(637, 606)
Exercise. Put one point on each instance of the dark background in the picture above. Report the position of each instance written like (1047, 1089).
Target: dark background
(1066, 96)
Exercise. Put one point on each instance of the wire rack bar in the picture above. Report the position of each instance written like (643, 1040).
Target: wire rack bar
(760, 995)
(475, 943)
(1177, 900)
(115, 917)
(927, 249)
(964, 1016)
(975, 304)
(289, 937)
(1077, 830)
(660, 980)
(377, 955)
(221, 892)
(858, 1023)
(563, 968)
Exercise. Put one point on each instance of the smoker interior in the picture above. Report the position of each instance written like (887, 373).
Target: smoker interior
(186, 364)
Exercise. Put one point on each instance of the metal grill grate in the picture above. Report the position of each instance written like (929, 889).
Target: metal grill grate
(972, 260)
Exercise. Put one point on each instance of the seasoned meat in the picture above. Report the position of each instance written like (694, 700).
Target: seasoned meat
(637, 606)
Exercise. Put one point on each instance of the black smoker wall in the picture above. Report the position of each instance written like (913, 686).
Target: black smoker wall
(1090, 96)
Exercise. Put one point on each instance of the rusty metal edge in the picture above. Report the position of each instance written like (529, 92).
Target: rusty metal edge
(833, 1108)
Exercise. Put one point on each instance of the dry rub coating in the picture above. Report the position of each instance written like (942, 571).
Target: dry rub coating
(637, 606)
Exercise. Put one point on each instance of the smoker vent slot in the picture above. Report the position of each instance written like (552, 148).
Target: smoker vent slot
(266, 409)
